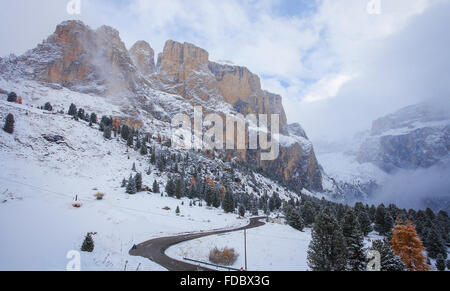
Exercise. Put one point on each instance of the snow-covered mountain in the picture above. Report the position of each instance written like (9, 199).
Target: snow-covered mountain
(379, 164)
(417, 136)
(97, 62)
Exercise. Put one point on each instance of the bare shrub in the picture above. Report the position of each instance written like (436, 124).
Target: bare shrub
(99, 196)
(225, 257)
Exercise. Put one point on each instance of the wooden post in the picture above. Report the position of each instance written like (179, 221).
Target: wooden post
(245, 248)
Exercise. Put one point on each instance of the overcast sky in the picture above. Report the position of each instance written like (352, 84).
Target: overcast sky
(337, 66)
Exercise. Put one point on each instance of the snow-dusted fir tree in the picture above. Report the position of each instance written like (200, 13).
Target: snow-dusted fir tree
(327, 250)
(138, 181)
(440, 263)
(434, 244)
(155, 187)
(356, 258)
(88, 244)
(131, 186)
(12, 97)
(170, 187)
(364, 222)
(144, 150)
(9, 124)
(107, 132)
(389, 261)
(228, 201)
(293, 218)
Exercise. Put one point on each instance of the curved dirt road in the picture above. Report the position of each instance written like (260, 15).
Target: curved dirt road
(155, 249)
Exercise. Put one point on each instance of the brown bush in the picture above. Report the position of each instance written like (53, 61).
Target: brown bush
(99, 196)
(225, 257)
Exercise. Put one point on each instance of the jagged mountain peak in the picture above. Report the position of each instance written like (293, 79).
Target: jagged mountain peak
(98, 62)
(143, 57)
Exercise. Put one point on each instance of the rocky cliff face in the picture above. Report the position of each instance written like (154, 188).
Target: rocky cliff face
(143, 57)
(185, 69)
(82, 59)
(97, 61)
(417, 136)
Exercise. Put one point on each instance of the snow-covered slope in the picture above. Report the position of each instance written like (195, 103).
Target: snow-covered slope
(40, 180)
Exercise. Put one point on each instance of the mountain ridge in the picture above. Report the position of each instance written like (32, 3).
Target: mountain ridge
(97, 62)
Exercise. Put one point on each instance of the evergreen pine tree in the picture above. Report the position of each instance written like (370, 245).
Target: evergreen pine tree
(12, 97)
(294, 219)
(380, 215)
(307, 212)
(80, 113)
(138, 179)
(228, 202)
(216, 199)
(434, 244)
(170, 188)
(9, 124)
(107, 132)
(130, 141)
(144, 151)
(125, 132)
(48, 106)
(372, 213)
(389, 261)
(72, 110)
(155, 187)
(209, 196)
(440, 263)
(356, 259)
(179, 188)
(93, 118)
(124, 183)
(388, 224)
(88, 244)
(131, 186)
(327, 251)
(138, 144)
(241, 210)
(364, 222)
(133, 168)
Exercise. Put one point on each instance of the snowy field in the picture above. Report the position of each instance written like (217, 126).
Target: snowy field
(272, 247)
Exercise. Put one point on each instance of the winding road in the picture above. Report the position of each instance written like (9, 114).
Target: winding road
(155, 249)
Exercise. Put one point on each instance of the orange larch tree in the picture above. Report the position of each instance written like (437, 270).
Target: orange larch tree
(116, 124)
(407, 245)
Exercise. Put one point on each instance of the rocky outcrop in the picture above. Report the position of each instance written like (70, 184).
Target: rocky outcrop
(143, 57)
(188, 71)
(82, 59)
(417, 136)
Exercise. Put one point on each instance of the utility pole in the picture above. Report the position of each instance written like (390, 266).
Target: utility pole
(245, 248)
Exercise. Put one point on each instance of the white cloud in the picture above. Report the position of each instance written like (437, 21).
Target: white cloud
(326, 88)
(313, 53)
